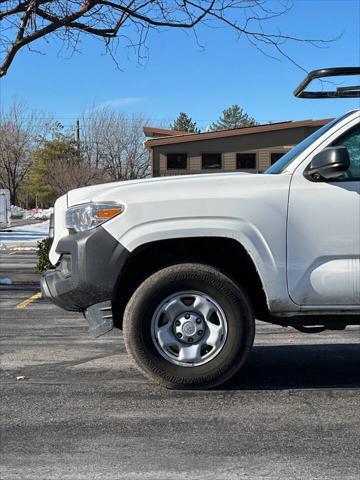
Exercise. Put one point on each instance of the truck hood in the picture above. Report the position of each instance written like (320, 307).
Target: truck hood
(116, 191)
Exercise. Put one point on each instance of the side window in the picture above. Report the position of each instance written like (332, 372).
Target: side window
(275, 156)
(176, 161)
(246, 161)
(351, 140)
(211, 160)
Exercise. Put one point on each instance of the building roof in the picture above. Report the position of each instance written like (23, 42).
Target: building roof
(183, 137)
(162, 132)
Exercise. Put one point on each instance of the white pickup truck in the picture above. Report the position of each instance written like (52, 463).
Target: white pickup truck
(185, 264)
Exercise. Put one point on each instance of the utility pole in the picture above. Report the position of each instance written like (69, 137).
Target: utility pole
(78, 136)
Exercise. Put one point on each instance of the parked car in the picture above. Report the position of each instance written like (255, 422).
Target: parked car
(185, 264)
(16, 213)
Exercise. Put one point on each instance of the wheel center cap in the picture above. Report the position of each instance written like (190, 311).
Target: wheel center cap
(189, 328)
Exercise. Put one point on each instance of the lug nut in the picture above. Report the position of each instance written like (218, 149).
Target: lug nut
(179, 335)
(190, 339)
(187, 315)
(198, 320)
(200, 332)
(177, 323)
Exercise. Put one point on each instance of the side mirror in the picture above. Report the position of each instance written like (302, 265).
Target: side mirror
(332, 162)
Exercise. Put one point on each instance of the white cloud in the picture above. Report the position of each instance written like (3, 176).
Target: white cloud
(120, 102)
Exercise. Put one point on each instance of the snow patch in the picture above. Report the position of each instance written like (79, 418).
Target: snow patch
(42, 227)
(25, 234)
(3, 247)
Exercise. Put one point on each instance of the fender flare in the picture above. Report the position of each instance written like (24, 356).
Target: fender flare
(247, 234)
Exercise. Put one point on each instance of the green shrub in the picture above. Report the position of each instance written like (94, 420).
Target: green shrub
(43, 255)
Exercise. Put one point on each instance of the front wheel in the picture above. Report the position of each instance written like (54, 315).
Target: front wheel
(189, 326)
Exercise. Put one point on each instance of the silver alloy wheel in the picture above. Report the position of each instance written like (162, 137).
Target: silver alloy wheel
(189, 329)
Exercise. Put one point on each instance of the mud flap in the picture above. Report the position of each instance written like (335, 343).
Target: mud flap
(99, 318)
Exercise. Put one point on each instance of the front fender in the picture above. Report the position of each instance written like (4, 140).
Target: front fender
(271, 269)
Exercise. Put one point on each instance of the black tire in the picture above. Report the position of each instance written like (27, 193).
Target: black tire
(189, 276)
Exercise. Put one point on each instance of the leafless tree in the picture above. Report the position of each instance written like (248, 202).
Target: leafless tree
(24, 22)
(20, 131)
(38, 158)
(66, 170)
(114, 142)
(59, 166)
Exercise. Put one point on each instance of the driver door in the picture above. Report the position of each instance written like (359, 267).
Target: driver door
(323, 238)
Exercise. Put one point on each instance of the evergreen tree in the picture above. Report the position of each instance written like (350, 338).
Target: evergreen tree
(184, 123)
(49, 159)
(36, 186)
(233, 117)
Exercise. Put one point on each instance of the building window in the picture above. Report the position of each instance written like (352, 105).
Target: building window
(275, 156)
(246, 161)
(176, 161)
(211, 160)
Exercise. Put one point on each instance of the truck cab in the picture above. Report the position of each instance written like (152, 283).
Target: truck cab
(184, 265)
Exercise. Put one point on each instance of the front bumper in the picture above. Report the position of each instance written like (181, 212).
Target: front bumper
(87, 272)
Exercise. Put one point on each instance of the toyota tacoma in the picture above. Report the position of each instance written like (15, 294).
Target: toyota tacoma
(183, 265)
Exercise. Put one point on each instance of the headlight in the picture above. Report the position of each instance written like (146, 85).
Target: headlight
(90, 215)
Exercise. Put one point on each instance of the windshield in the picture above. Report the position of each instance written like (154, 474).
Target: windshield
(286, 159)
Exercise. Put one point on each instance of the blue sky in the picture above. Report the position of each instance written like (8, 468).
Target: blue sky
(180, 75)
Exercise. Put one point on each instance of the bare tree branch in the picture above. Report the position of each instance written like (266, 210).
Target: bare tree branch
(20, 131)
(24, 22)
(114, 143)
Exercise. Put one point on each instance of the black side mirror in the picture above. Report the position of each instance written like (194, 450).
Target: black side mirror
(332, 162)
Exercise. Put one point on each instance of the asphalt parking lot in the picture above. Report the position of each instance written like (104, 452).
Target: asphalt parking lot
(83, 411)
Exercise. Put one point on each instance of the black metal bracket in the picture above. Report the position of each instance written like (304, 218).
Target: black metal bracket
(340, 92)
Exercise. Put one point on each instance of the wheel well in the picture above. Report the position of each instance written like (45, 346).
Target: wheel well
(226, 254)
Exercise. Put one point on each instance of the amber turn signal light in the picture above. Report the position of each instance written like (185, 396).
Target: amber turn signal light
(109, 212)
